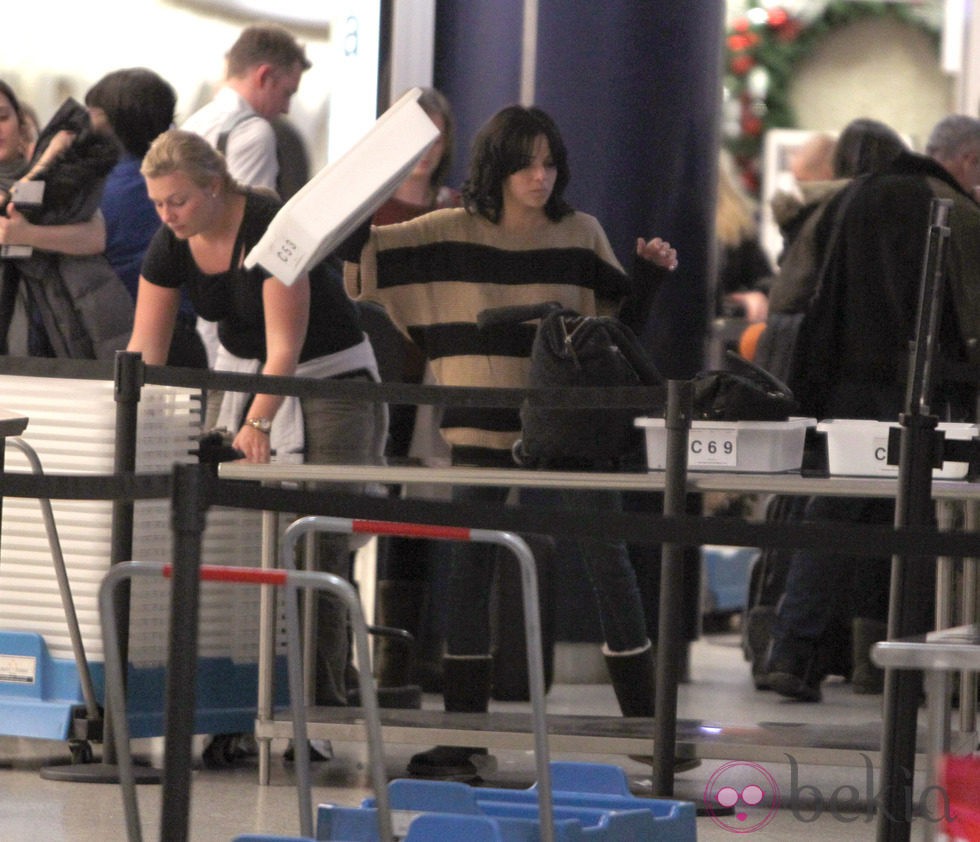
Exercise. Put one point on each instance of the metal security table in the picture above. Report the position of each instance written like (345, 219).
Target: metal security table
(575, 734)
(697, 481)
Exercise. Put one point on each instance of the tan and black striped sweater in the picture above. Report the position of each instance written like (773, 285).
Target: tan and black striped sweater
(436, 273)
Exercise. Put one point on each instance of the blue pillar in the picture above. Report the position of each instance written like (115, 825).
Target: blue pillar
(635, 87)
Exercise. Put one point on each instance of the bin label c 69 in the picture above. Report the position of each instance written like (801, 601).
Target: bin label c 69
(712, 448)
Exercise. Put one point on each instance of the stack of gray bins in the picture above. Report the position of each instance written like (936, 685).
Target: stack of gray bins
(71, 427)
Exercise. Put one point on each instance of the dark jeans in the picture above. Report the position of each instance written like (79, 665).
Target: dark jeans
(646, 561)
(824, 588)
(612, 577)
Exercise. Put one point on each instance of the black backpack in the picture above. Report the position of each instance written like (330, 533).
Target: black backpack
(580, 352)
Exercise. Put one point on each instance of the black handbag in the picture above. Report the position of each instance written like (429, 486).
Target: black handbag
(745, 392)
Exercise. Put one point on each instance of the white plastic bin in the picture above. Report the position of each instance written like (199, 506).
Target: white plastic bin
(857, 447)
(747, 446)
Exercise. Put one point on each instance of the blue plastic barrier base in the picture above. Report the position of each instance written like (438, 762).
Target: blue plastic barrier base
(40, 695)
(257, 837)
(591, 802)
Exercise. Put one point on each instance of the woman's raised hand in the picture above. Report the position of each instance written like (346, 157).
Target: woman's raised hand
(657, 251)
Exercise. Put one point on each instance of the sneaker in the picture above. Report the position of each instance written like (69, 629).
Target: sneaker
(321, 751)
(799, 687)
(452, 763)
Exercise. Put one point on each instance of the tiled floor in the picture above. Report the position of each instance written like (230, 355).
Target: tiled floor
(809, 804)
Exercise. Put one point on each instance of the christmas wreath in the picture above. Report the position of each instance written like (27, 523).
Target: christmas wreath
(762, 49)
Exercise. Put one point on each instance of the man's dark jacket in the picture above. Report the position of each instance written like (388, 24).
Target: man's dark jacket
(854, 346)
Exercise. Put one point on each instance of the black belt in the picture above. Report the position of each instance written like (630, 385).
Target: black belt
(354, 374)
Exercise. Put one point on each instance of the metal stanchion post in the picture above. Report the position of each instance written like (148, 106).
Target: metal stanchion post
(678, 423)
(908, 613)
(189, 510)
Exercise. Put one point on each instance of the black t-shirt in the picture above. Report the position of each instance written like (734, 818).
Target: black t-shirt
(233, 298)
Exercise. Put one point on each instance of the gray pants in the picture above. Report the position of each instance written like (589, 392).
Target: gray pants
(337, 432)
(349, 433)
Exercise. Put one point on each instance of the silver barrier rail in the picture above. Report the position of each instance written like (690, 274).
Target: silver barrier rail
(532, 626)
(292, 581)
(64, 586)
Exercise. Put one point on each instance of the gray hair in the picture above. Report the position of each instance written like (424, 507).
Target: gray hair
(951, 135)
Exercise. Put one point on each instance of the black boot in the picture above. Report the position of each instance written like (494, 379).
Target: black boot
(510, 677)
(758, 633)
(633, 679)
(866, 678)
(633, 676)
(467, 690)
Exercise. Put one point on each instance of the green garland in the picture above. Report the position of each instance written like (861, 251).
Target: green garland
(762, 50)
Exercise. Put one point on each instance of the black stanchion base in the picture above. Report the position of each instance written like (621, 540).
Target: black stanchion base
(712, 808)
(98, 773)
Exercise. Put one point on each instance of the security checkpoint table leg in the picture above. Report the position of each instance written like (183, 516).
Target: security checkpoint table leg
(968, 680)
(267, 642)
(669, 634)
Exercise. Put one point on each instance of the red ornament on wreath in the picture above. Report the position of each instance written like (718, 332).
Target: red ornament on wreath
(742, 64)
(777, 17)
(751, 125)
(789, 31)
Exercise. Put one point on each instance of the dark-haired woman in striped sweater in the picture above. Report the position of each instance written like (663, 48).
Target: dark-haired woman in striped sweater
(515, 241)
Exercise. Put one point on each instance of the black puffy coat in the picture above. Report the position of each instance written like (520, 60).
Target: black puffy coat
(83, 306)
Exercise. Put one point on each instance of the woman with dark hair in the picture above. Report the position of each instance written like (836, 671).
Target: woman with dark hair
(17, 138)
(516, 241)
(13, 138)
(866, 146)
(56, 271)
(135, 105)
(423, 190)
